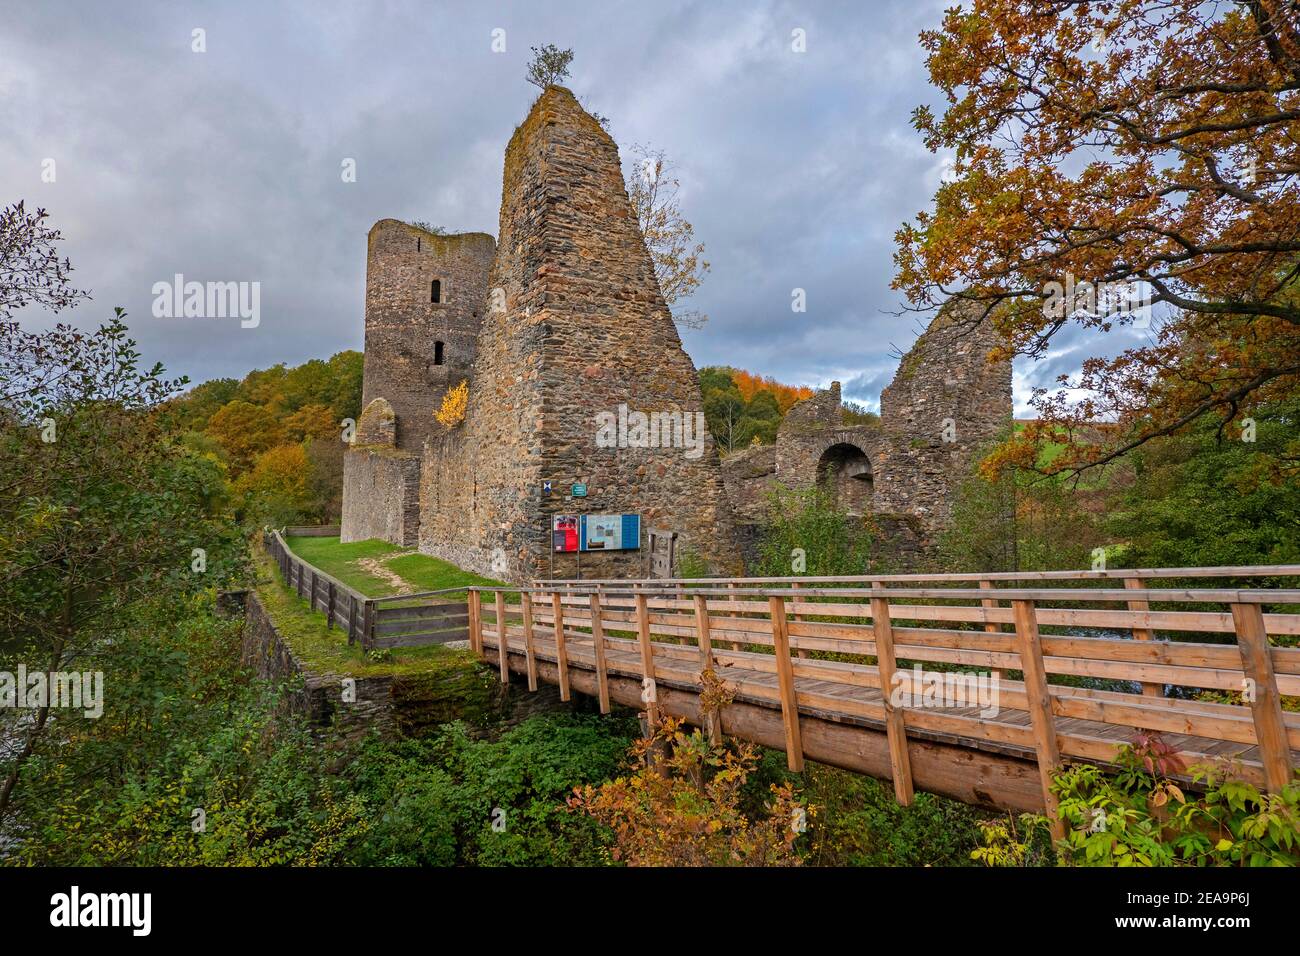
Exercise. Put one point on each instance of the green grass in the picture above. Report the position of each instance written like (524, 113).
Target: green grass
(340, 561)
(432, 574)
(421, 571)
(325, 650)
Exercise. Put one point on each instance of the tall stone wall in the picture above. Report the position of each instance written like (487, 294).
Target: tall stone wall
(947, 402)
(404, 325)
(585, 330)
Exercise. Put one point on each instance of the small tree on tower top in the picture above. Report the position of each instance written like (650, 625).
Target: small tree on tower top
(549, 65)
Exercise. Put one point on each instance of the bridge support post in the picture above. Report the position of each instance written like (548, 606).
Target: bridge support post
(899, 762)
(1142, 634)
(598, 644)
(712, 718)
(526, 609)
(503, 646)
(785, 680)
(1265, 703)
(368, 613)
(1040, 707)
(989, 604)
(561, 652)
(648, 689)
(476, 622)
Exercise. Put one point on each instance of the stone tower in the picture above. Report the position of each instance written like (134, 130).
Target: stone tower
(425, 295)
(584, 331)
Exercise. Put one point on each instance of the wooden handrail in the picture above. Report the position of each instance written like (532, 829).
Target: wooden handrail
(1227, 571)
(1176, 595)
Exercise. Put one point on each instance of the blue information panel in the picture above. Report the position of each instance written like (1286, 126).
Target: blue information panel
(610, 532)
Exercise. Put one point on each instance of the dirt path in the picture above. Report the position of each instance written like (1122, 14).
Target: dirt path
(390, 577)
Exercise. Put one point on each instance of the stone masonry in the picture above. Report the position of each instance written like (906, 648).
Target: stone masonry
(946, 403)
(417, 348)
(570, 324)
(561, 322)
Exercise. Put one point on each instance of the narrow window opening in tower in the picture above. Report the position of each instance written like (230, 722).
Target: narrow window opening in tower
(437, 353)
(435, 290)
(417, 245)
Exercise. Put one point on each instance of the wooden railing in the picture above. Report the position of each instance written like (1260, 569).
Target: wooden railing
(313, 531)
(761, 635)
(405, 620)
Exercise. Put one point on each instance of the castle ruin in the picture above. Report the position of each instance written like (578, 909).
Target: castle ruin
(558, 326)
(946, 404)
(562, 322)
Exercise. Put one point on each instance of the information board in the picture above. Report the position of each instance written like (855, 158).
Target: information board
(610, 532)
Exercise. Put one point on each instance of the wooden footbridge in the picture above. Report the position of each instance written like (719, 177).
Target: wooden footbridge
(1097, 657)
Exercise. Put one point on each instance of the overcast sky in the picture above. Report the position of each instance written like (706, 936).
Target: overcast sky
(796, 168)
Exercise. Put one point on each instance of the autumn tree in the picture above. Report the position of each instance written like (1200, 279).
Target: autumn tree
(245, 431)
(678, 259)
(1119, 152)
(280, 484)
(681, 805)
(312, 421)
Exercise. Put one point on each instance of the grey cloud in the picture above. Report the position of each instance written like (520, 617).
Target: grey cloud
(796, 168)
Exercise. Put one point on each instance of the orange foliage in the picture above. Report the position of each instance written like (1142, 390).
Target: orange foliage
(454, 404)
(1148, 147)
(749, 385)
(312, 421)
(681, 806)
(282, 473)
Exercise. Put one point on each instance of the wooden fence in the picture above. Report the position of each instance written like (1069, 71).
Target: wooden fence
(407, 620)
(761, 635)
(314, 531)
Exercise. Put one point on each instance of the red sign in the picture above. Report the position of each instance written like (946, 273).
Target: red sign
(564, 533)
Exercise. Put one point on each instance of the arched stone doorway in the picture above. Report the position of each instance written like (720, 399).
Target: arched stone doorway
(845, 471)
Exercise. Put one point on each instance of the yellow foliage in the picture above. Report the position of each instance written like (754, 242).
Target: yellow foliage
(454, 404)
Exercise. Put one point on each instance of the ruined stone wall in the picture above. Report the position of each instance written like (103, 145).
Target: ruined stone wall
(947, 402)
(585, 330)
(404, 325)
(381, 496)
(381, 483)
